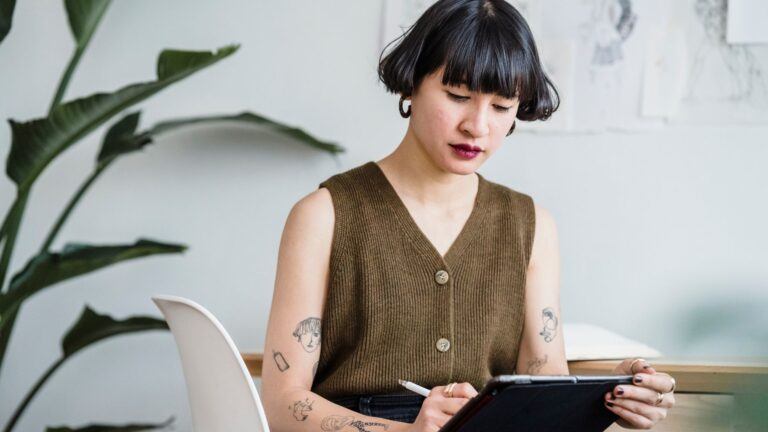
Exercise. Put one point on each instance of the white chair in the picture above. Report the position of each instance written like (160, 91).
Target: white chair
(222, 396)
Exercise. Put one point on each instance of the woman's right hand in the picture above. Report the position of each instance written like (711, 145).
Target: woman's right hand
(438, 408)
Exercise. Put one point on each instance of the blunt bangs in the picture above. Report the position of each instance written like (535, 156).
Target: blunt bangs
(485, 45)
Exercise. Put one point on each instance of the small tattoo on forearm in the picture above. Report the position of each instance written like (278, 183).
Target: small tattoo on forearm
(550, 325)
(535, 365)
(301, 409)
(280, 361)
(337, 423)
(307, 333)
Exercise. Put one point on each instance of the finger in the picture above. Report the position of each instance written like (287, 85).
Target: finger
(634, 420)
(643, 395)
(656, 382)
(653, 413)
(632, 366)
(669, 379)
(639, 394)
(439, 390)
(464, 390)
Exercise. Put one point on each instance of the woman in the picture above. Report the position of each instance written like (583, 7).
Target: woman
(416, 267)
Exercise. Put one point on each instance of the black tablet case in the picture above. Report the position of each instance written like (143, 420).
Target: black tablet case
(555, 407)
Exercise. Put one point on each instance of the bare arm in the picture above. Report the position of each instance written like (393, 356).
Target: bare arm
(292, 347)
(542, 351)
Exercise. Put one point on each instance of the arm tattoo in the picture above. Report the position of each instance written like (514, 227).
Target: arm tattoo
(307, 333)
(337, 423)
(301, 409)
(280, 361)
(535, 365)
(550, 325)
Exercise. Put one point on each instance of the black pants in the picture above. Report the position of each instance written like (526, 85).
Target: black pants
(396, 407)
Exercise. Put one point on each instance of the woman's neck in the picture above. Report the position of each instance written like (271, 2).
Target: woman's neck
(418, 179)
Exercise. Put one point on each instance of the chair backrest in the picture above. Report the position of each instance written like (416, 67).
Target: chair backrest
(222, 396)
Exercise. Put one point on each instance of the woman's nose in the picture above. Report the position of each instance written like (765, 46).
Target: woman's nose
(475, 123)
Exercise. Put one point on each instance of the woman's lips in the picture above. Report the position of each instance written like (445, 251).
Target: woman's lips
(467, 147)
(466, 151)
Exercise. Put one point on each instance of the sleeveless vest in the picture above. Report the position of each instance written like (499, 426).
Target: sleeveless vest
(397, 309)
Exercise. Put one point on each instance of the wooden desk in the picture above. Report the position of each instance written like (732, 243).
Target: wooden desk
(705, 388)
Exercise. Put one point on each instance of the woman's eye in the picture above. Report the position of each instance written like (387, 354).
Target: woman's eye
(456, 97)
(500, 108)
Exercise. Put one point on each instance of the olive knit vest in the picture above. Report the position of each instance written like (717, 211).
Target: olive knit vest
(397, 309)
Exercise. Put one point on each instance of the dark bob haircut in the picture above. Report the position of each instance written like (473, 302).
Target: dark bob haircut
(483, 44)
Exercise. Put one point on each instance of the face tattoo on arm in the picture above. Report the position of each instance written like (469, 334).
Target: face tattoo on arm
(307, 333)
(550, 325)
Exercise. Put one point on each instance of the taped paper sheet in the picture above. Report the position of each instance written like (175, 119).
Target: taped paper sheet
(747, 21)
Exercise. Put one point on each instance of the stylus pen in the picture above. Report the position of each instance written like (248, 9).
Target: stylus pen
(414, 387)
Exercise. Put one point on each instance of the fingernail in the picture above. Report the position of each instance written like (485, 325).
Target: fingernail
(638, 379)
(619, 391)
(610, 404)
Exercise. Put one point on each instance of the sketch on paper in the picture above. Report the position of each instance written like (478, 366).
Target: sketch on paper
(609, 25)
(742, 77)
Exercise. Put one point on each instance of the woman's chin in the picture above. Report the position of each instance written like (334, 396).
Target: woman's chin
(463, 167)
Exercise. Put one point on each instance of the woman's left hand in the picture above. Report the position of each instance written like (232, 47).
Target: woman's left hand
(645, 402)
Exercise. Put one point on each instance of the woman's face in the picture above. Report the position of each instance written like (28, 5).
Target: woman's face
(444, 117)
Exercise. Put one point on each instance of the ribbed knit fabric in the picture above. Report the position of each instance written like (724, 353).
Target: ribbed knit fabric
(386, 310)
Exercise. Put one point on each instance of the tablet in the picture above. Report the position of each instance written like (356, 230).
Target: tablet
(539, 403)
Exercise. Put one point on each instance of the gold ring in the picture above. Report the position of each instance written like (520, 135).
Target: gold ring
(632, 365)
(448, 391)
(659, 398)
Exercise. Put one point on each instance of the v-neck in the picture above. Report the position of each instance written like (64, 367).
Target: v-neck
(412, 229)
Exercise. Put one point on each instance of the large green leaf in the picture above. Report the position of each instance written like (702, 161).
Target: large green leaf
(122, 138)
(84, 17)
(89, 329)
(49, 268)
(136, 427)
(254, 119)
(93, 327)
(6, 17)
(36, 143)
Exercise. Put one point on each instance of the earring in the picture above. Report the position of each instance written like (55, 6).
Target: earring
(512, 129)
(403, 113)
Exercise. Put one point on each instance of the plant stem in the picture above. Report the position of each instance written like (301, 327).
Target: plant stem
(5, 333)
(71, 205)
(31, 394)
(12, 228)
(64, 82)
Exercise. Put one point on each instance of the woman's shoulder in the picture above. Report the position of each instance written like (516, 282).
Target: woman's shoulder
(317, 207)
(503, 192)
(313, 214)
(350, 176)
(543, 219)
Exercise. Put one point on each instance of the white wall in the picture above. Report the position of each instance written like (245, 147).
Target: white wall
(651, 224)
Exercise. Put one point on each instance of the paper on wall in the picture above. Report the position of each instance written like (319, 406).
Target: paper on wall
(664, 79)
(747, 21)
